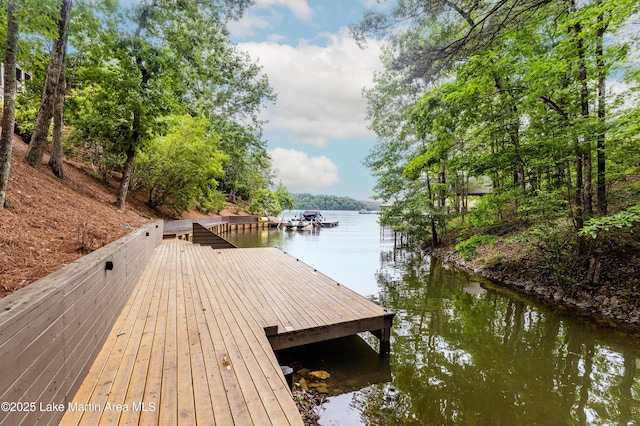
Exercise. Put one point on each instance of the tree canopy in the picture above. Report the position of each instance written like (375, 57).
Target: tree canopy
(145, 80)
(538, 98)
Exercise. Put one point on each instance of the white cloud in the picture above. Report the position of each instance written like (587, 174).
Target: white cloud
(299, 8)
(264, 14)
(301, 173)
(318, 87)
(249, 22)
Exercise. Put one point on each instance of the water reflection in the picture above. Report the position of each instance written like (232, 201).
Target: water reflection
(469, 354)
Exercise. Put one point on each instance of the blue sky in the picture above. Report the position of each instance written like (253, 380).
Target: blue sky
(317, 132)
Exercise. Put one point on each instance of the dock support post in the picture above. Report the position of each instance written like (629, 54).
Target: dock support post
(385, 334)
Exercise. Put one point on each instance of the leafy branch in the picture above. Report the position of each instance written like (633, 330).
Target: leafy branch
(619, 220)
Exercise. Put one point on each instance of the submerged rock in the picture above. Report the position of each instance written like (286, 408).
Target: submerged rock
(319, 387)
(303, 384)
(320, 374)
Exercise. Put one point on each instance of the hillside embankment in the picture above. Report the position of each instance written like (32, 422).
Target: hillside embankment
(50, 222)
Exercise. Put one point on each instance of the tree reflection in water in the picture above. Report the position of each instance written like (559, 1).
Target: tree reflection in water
(469, 354)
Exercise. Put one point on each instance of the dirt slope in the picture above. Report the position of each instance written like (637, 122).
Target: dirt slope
(50, 222)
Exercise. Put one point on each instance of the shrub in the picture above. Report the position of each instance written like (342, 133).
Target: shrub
(469, 247)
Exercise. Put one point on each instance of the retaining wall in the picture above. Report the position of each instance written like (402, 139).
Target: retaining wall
(52, 330)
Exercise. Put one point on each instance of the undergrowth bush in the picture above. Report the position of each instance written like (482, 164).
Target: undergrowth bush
(468, 248)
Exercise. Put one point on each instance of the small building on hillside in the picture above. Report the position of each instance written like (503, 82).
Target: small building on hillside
(477, 186)
(21, 76)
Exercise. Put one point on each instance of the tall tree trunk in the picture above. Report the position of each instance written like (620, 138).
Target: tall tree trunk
(136, 134)
(513, 126)
(584, 108)
(600, 150)
(579, 215)
(45, 113)
(126, 178)
(9, 109)
(55, 160)
(442, 195)
(434, 229)
(584, 196)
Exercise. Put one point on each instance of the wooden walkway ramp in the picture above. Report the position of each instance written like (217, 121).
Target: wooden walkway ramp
(191, 345)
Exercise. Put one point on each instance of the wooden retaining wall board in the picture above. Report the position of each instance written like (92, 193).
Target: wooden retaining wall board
(52, 330)
(175, 228)
(183, 228)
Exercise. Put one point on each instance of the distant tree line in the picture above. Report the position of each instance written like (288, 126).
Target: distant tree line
(327, 202)
(151, 91)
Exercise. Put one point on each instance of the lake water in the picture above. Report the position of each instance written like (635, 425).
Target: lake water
(464, 350)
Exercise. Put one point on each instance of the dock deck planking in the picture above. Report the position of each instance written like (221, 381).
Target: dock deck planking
(168, 401)
(213, 351)
(103, 367)
(192, 337)
(193, 347)
(260, 296)
(244, 401)
(318, 298)
(136, 387)
(235, 370)
(265, 299)
(129, 337)
(256, 361)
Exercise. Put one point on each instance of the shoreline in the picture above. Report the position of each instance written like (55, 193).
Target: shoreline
(610, 311)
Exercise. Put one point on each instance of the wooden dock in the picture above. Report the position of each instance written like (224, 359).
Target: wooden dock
(219, 224)
(194, 344)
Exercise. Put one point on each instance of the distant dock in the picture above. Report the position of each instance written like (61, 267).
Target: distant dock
(194, 343)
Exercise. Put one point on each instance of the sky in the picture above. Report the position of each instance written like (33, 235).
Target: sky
(316, 132)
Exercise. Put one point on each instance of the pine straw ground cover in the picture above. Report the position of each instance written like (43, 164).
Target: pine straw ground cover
(49, 222)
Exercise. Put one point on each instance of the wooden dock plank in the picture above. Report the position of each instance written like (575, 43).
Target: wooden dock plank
(308, 306)
(169, 380)
(289, 287)
(332, 293)
(102, 372)
(201, 391)
(191, 339)
(213, 351)
(257, 357)
(316, 295)
(131, 331)
(221, 360)
(235, 376)
(259, 296)
(153, 379)
(135, 391)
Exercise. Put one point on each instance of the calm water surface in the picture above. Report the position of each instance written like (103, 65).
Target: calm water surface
(464, 351)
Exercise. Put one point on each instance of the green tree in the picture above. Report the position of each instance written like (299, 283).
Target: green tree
(285, 199)
(52, 96)
(162, 59)
(511, 99)
(34, 21)
(9, 96)
(181, 169)
(265, 201)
